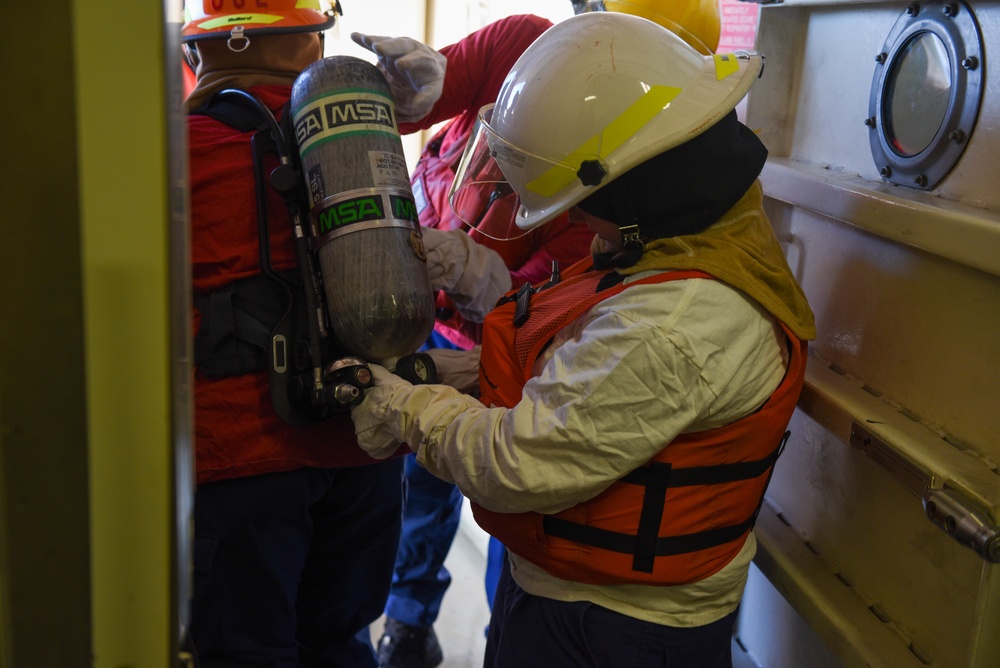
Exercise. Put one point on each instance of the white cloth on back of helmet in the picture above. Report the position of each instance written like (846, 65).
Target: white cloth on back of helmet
(415, 72)
(473, 275)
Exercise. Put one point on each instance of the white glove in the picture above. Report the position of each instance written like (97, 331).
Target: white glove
(394, 412)
(415, 72)
(374, 434)
(457, 368)
(474, 276)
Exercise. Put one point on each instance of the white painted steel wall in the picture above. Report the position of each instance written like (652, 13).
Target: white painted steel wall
(906, 289)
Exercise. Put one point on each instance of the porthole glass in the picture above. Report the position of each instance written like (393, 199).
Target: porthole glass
(926, 93)
(918, 94)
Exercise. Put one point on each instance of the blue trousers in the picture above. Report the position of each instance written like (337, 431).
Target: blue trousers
(431, 513)
(529, 631)
(291, 568)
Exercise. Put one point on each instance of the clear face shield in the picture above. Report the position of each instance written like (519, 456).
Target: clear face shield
(504, 191)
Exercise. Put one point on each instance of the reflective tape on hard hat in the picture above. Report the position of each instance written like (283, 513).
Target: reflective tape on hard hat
(616, 133)
(725, 64)
(234, 19)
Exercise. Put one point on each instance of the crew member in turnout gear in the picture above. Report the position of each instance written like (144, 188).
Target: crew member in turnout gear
(477, 66)
(295, 527)
(631, 414)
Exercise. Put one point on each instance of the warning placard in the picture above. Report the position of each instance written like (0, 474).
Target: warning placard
(739, 25)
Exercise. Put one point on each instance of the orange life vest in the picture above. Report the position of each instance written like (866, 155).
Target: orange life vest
(677, 519)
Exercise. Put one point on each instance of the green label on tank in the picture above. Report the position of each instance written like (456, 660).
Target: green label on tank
(335, 116)
(350, 211)
(403, 208)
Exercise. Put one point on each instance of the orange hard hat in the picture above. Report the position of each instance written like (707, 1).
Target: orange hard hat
(217, 19)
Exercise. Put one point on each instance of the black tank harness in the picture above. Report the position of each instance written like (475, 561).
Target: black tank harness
(276, 321)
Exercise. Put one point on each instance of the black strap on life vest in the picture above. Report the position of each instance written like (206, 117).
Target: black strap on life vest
(657, 478)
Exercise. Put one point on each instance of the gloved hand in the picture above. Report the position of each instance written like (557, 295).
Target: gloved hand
(457, 368)
(474, 276)
(373, 431)
(394, 412)
(415, 72)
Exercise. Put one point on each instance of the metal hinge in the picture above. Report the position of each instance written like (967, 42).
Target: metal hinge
(960, 518)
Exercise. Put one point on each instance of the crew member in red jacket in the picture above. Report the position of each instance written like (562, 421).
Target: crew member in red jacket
(296, 528)
(477, 66)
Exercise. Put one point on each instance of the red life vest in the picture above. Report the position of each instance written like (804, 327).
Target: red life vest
(677, 519)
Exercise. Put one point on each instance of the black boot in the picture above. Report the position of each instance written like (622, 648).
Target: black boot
(405, 646)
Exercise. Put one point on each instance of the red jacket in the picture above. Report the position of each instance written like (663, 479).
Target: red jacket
(237, 432)
(677, 519)
(477, 66)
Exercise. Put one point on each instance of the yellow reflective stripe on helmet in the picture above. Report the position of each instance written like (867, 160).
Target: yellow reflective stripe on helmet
(307, 4)
(725, 64)
(614, 134)
(237, 19)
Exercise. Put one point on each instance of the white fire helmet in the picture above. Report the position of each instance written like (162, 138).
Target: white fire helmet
(591, 98)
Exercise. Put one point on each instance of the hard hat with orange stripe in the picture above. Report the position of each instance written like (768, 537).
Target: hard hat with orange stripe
(234, 19)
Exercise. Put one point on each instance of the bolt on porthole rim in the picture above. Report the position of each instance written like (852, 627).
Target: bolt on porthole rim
(953, 28)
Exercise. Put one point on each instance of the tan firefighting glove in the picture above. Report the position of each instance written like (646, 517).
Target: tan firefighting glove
(394, 412)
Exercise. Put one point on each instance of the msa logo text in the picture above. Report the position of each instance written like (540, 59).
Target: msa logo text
(403, 208)
(356, 210)
(342, 115)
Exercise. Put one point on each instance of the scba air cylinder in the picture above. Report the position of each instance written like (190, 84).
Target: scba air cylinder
(363, 219)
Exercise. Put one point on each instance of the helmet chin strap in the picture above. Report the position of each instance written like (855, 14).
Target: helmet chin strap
(632, 244)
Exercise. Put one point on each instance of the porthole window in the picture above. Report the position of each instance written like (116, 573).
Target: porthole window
(925, 93)
(917, 94)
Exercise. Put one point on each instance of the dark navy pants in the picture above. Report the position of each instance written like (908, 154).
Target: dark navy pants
(291, 568)
(534, 632)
